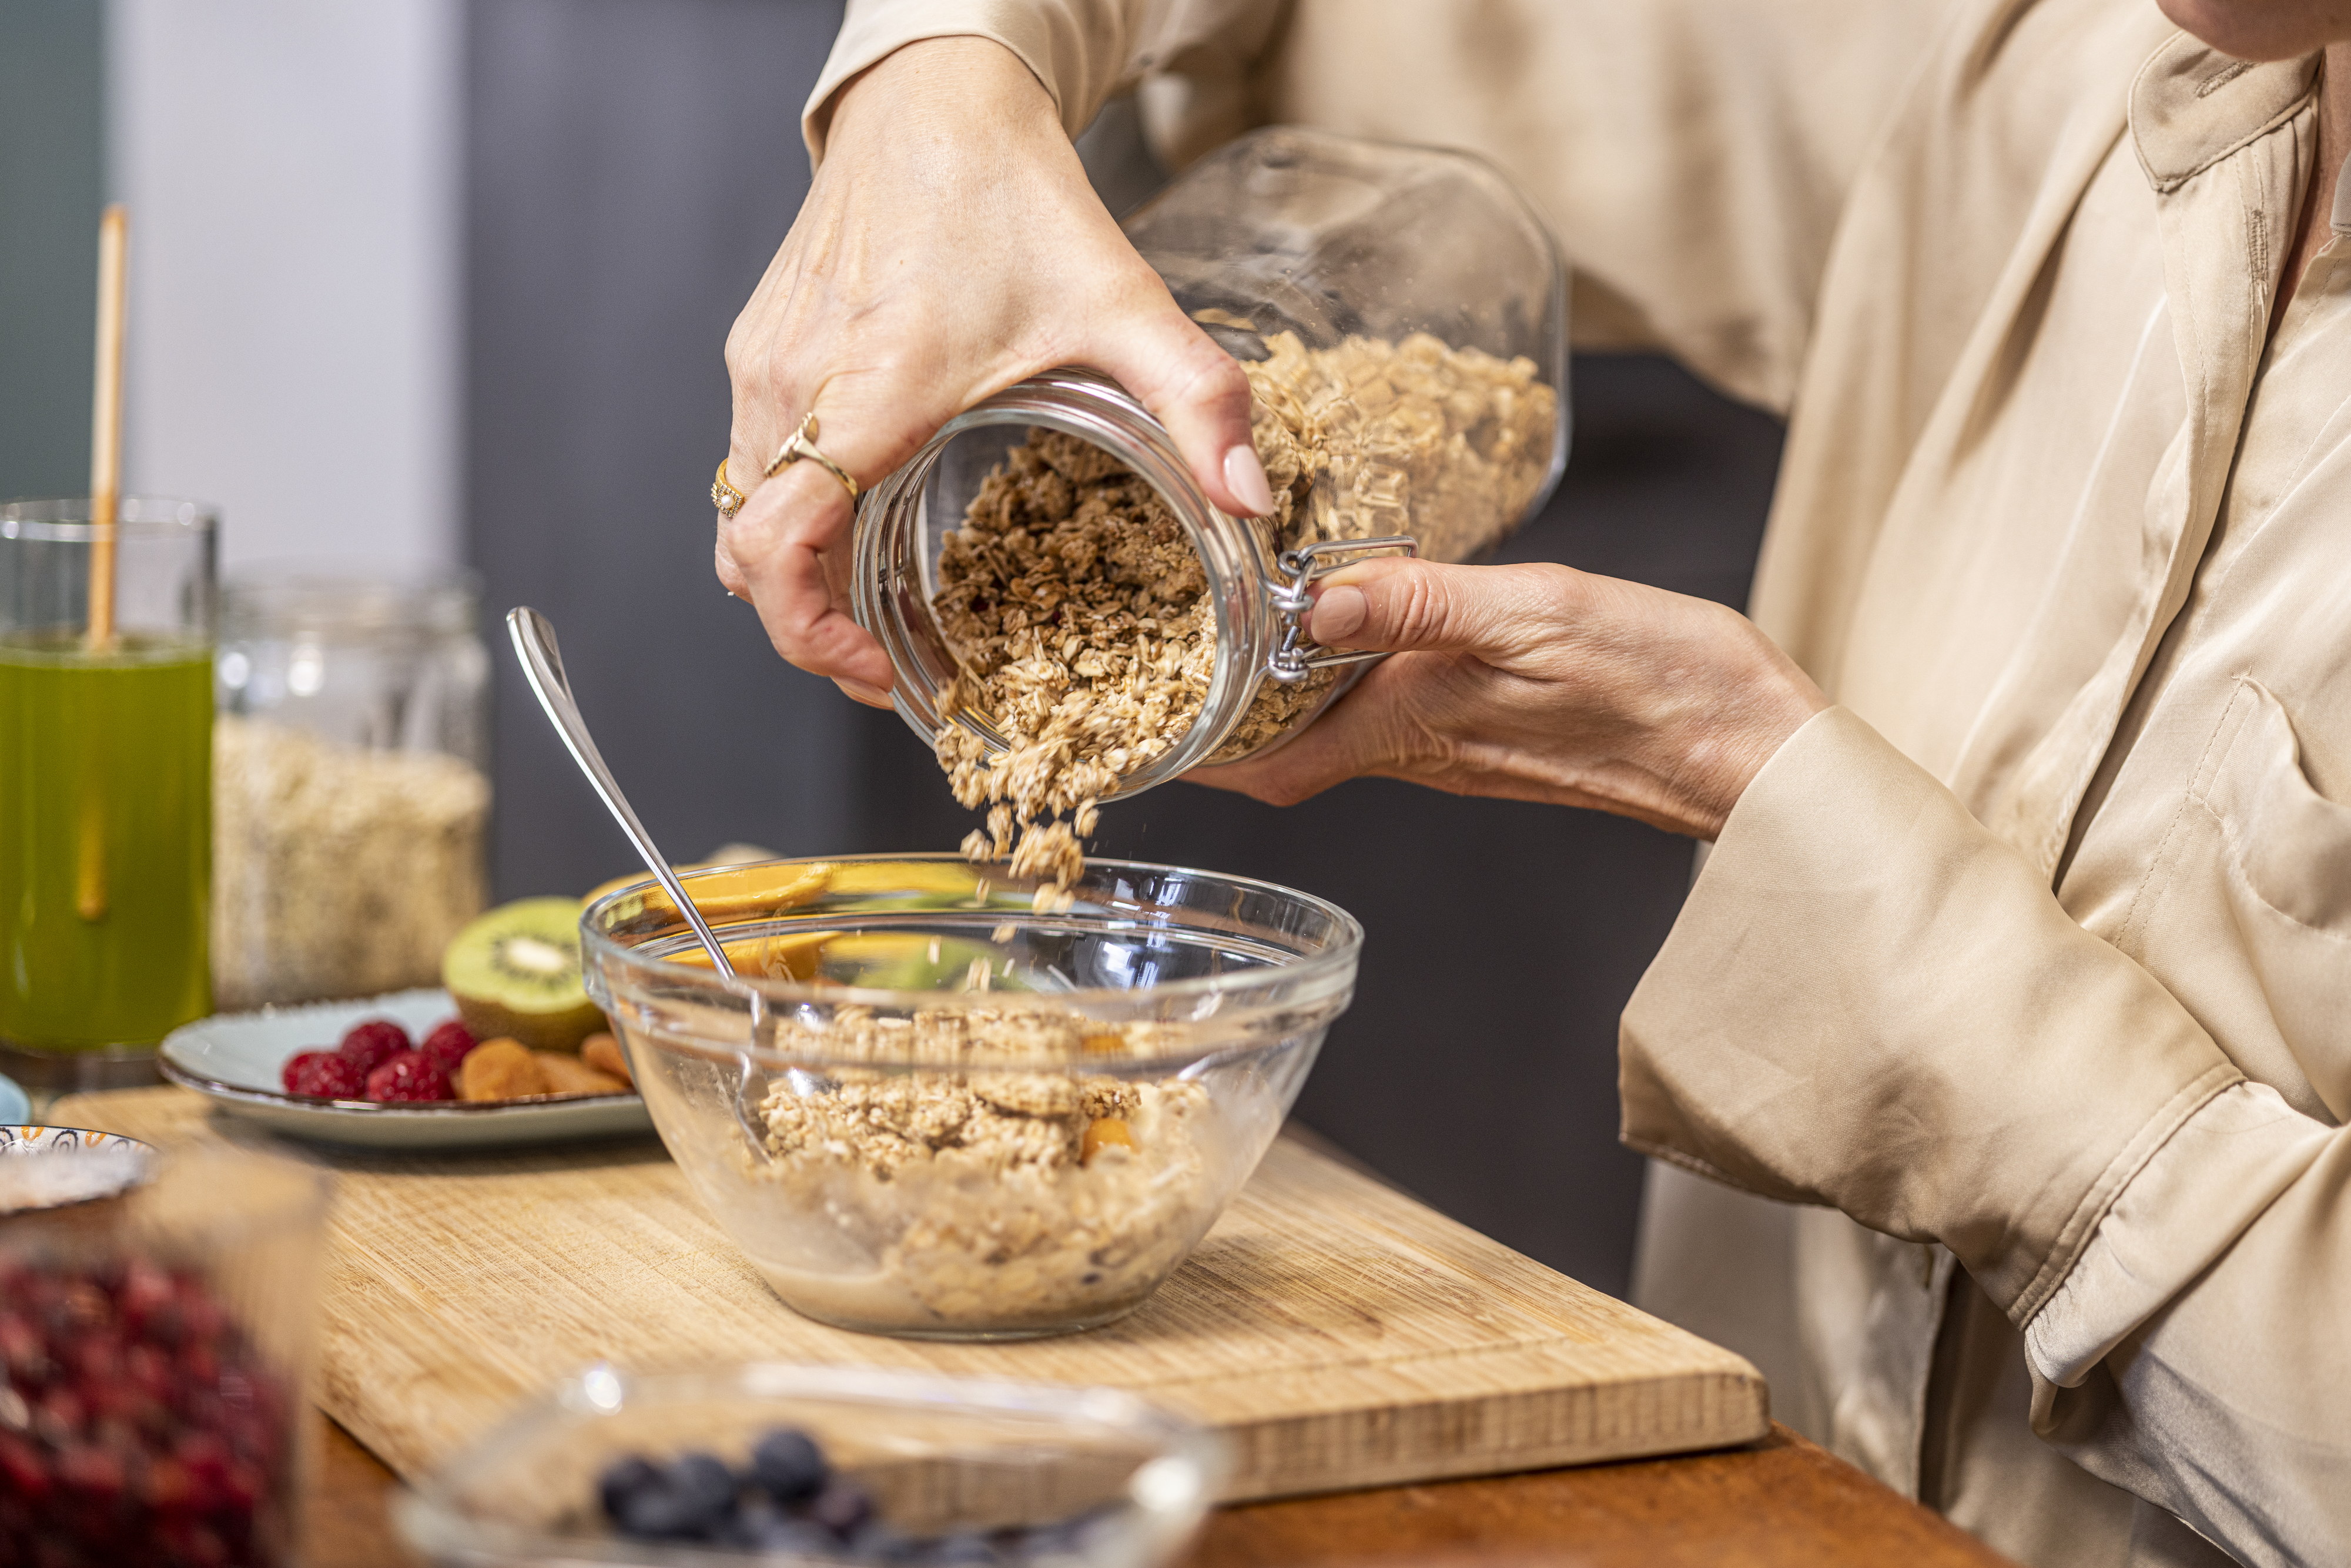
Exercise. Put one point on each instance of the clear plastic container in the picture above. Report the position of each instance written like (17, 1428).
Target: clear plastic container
(960, 1469)
(350, 801)
(154, 1404)
(1402, 312)
(924, 1111)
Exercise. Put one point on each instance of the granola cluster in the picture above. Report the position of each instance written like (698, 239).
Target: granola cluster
(991, 1195)
(1080, 611)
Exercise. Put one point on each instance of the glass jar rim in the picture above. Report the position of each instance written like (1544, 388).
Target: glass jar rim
(64, 519)
(1328, 969)
(334, 602)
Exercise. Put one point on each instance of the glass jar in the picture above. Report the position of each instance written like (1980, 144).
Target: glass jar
(106, 657)
(350, 801)
(1401, 314)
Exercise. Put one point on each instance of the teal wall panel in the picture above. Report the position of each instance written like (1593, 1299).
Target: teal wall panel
(52, 180)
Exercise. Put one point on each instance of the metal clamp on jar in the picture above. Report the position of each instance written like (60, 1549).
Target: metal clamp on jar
(1401, 313)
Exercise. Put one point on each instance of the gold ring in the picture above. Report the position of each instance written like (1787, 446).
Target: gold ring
(723, 495)
(803, 444)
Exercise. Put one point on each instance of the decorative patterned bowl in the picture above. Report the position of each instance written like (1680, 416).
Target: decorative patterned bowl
(54, 1167)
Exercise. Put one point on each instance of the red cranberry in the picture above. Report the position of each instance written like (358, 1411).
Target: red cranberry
(326, 1075)
(22, 1468)
(447, 1044)
(150, 1430)
(410, 1075)
(374, 1042)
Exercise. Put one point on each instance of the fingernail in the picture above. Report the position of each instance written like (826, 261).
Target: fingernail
(1339, 612)
(864, 692)
(1245, 477)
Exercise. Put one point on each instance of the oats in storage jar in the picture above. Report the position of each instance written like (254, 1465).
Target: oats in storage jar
(351, 811)
(1071, 621)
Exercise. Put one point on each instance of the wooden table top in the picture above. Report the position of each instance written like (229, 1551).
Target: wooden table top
(1782, 1502)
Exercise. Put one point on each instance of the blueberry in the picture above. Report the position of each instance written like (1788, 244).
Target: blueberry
(704, 1489)
(840, 1507)
(622, 1480)
(654, 1511)
(788, 1463)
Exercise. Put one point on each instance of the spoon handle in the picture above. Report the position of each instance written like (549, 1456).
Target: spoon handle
(542, 666)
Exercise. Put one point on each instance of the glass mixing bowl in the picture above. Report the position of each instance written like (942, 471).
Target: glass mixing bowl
(925, 1109)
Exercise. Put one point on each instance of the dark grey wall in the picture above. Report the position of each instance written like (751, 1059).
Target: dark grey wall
(633, 165)
(51, 175)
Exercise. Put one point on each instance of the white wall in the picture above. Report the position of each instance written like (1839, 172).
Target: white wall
(292, 168)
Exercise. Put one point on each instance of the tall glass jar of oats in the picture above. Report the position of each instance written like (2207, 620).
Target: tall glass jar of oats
(1068, 616)
(350, 804)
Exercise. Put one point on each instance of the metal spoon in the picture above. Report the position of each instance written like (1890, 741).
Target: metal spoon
(542, 666)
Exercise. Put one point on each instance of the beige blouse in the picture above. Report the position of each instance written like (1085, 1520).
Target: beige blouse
(2034, 957)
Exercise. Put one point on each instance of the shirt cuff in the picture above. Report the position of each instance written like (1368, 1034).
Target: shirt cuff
(1871, 1001)
(1076, 52)
(2214, 1178)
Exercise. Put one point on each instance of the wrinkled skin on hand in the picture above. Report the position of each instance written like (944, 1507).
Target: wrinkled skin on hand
(1540, 683)
(949, 246)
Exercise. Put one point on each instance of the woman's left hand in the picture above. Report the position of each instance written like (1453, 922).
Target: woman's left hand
(1540, 683)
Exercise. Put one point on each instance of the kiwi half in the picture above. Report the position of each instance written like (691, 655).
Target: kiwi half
(514, 971)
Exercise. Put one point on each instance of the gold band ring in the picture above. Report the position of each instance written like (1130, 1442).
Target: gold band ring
(723, 495)
(803, 444)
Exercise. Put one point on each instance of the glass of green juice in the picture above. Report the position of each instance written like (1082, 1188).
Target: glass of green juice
(105, 787)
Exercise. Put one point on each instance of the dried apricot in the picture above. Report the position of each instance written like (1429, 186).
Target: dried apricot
(500, 1069)
(1102, 1133)
(603, 1053)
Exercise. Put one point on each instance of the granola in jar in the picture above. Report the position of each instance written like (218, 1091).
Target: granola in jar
(1081, 614)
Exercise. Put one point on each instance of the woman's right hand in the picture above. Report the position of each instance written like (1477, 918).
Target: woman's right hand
(949, 246)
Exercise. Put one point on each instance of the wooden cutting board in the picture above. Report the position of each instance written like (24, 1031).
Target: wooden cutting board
(1339, 1333)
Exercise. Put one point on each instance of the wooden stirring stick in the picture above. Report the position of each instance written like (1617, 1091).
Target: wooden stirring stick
(90, 899)
(106, 422)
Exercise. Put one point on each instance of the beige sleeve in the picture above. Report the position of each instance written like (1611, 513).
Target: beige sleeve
(1083, 51)
(1872, 1002)
(1690, 156)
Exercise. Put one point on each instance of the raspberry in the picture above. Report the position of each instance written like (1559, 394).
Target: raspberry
(325, 1076)
(410, 1075)
(447, 1044)
(374, 1042)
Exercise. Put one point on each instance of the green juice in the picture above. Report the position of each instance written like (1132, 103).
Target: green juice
(105, 841)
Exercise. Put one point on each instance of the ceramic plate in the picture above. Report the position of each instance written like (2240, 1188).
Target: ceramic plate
(235, 1058)
(14, 1106)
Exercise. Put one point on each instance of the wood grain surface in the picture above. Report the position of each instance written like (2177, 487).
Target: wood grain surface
(1339, 1333)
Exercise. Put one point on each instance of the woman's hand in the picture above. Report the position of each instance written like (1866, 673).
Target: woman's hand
(1540, 682)
(949, 246)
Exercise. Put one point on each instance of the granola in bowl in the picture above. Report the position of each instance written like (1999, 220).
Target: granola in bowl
(1004, 1198)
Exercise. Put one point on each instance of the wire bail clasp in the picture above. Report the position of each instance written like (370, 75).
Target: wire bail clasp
(1294, 657)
